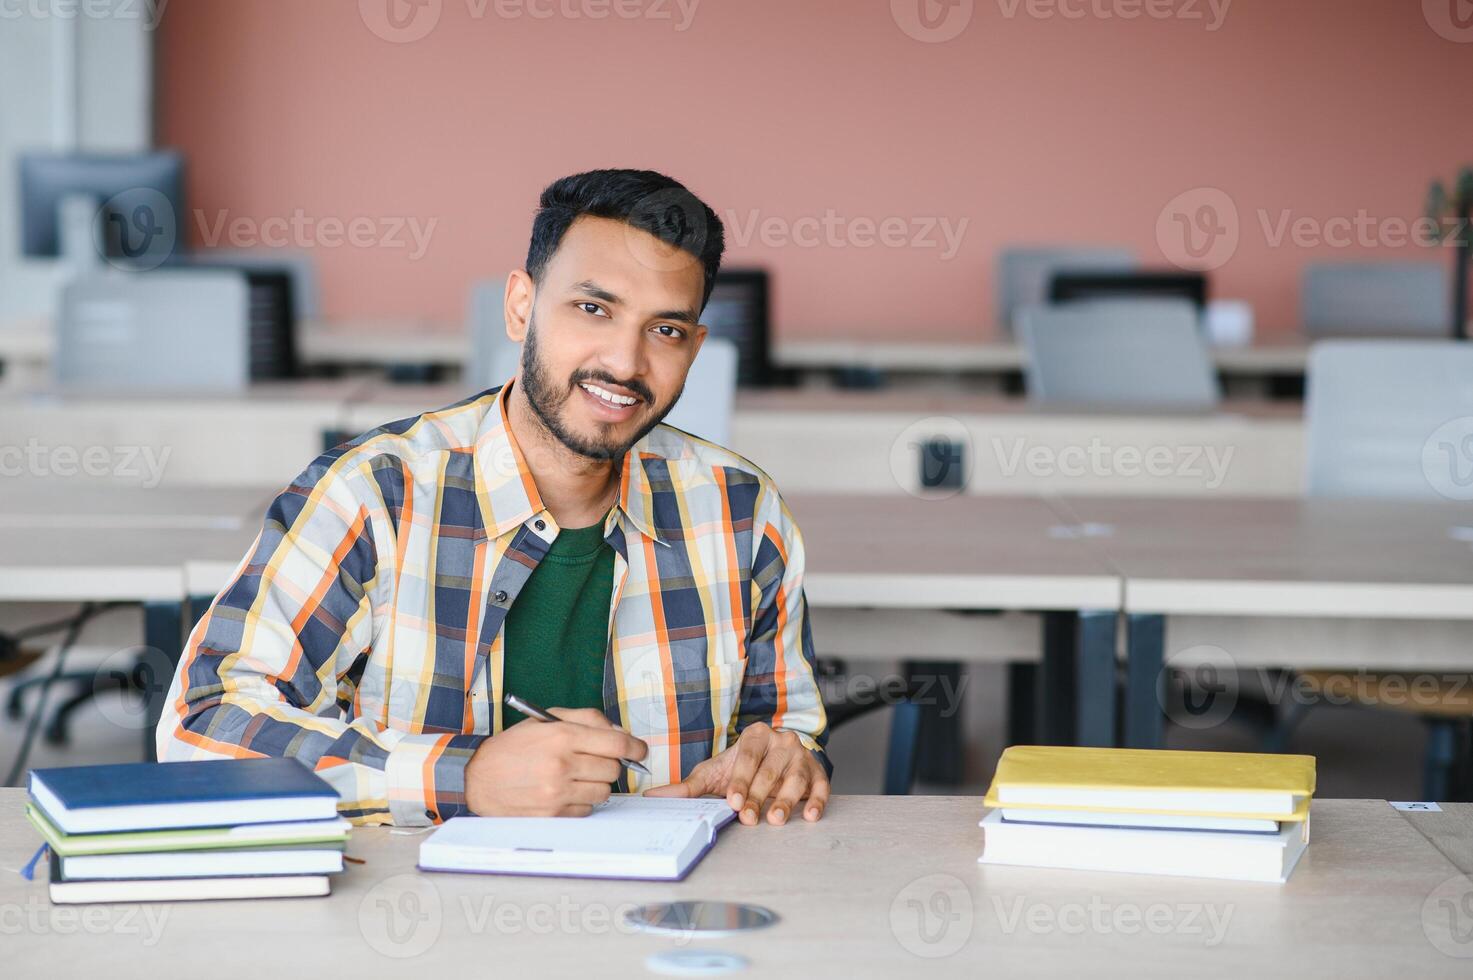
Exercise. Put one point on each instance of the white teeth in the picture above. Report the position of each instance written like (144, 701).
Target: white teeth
(608, 396)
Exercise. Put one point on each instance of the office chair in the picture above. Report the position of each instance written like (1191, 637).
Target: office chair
(1024, 274)
(1372, 409)
(494, 356)
(1118, 354)
(706, 405)
(1376, 299)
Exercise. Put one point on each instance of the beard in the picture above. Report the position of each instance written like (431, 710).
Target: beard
(549, 403)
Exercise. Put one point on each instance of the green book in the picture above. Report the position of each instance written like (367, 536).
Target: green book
(324, 833)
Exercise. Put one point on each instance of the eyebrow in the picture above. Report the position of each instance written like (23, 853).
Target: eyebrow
(593, 289)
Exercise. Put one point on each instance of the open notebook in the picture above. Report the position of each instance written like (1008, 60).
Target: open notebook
(626, 837)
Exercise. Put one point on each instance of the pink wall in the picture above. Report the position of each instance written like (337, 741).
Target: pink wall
(1032, 127)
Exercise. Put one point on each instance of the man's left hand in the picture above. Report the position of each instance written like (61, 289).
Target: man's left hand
(762, 764)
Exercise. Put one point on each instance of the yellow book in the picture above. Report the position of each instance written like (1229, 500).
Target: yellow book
(1202, 784)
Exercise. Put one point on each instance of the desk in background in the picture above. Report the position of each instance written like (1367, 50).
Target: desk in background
(69, 543)
(1278, 560)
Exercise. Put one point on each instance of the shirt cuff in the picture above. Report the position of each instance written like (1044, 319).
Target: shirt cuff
(426, 778)
(816, 750)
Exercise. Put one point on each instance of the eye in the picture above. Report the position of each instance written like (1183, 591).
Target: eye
(593, 308)
(669, 330)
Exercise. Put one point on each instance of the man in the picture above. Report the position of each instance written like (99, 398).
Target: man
(548, 538)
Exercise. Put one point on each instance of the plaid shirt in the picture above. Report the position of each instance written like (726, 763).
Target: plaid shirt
(362, 634)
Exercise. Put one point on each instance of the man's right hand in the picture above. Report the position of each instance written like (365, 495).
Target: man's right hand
(549, 769)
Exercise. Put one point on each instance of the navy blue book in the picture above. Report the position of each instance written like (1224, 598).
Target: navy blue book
(159, 796)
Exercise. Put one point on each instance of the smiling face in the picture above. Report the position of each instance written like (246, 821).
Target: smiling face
(608, 334)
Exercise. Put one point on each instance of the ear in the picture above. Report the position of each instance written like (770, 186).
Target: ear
(520, 291)
(698, 336)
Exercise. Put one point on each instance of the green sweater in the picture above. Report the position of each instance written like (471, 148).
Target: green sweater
(557, 631)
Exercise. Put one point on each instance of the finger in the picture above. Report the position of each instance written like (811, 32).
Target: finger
(818, 797)
(611, 743)
(575, 810)
(750, 748)
(774, 766)
(795, 784)
(586, 794)
(594, 768)
(588, 717)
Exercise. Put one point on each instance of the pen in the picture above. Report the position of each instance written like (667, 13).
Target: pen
(532, 711)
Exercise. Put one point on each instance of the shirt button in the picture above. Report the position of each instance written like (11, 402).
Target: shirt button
(541, 525)
(432, 815)
(500, 595)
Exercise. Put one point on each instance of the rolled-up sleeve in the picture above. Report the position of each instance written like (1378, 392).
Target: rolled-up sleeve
(269, 670)
(780, 684)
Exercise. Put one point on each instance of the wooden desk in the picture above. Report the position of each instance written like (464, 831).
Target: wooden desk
(1330, 559)
(881, 887)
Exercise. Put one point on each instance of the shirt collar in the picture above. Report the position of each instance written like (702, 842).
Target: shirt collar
(510, 497)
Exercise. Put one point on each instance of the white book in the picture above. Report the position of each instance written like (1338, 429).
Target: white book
(626, 837)
(1231, 855)
(204, 864)
(1164, 821)
(188, 889)
(1159, 800)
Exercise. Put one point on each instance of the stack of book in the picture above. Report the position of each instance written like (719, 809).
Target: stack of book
(1200, 814)
(249, 828)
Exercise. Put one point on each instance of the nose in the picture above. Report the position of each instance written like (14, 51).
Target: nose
(623, 355)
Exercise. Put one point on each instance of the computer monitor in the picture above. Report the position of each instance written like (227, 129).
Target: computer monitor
(740, 311)
(130, 205)
(1069, 287)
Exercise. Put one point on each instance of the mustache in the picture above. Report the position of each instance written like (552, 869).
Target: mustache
(600, 377)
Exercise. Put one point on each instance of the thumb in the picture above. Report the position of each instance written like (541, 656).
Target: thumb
(698, 783)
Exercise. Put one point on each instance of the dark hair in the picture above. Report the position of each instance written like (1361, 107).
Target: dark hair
(645, 199)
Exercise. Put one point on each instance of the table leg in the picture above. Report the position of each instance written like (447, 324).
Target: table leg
(1095, 687)
(1058, 678)
(1145, 662)
(1076, 688)
(163, 630)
